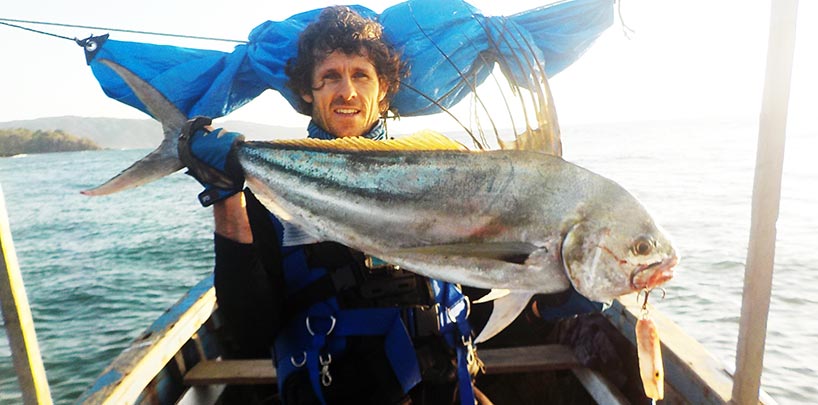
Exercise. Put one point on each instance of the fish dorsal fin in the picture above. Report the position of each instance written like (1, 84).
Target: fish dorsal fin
(420, 141)
(543, 140)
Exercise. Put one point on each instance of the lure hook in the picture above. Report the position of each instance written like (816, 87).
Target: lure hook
(646, 293)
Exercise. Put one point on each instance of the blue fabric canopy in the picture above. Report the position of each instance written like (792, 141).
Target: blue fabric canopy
(443, 42)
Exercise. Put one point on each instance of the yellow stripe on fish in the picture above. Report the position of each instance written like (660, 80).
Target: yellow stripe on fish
(419, 141)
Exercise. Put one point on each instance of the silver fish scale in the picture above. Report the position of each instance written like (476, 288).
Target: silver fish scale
(407, 199)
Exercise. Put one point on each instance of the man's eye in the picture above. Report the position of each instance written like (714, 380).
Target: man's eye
(330, 77)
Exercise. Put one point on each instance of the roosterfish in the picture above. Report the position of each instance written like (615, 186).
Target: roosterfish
(519, 221)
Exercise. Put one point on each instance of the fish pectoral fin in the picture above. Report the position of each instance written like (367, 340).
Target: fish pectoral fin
(511, 252)
(494, 294)
(505, 312)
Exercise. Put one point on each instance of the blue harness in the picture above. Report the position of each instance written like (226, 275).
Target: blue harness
(317, 333)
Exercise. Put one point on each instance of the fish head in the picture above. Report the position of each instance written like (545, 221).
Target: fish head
(616, 250)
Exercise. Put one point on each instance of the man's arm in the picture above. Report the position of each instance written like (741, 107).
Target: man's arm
(230, 216)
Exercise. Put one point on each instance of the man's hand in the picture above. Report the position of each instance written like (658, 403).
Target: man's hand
(209, 155)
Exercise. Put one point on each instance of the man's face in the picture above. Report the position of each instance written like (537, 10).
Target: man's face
(346, 94)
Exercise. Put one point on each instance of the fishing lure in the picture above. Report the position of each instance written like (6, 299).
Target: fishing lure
(649, 352)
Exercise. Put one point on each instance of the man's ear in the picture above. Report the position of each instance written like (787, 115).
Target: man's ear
(382, 90)
(307, 97)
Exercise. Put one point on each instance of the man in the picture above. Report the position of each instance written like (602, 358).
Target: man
(343, 327)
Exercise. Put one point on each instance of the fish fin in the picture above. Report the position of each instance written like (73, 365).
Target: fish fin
(505, 312)
(420, 141)
(543, 140)
(495, 293)
(513, 252)
(153, 166)
(517, 266)
(162, 161)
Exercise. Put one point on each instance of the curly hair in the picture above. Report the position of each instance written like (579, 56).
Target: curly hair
(340, 28)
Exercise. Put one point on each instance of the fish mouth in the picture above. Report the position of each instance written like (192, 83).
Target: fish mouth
(651, 275)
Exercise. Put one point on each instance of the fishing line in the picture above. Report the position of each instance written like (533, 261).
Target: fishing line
(506, 69)
(540, 93)
(463, 76)
(626, 30)
(32, 30)
(7, 21)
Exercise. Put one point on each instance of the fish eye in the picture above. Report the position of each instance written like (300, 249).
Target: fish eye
(642, 246)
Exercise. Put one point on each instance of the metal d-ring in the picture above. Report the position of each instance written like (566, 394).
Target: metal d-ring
(467, 303)
(331, 326)
(301, 363)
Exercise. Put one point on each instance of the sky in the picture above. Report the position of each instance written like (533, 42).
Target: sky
(683, 59)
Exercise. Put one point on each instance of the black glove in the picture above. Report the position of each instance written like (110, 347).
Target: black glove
(210, 157)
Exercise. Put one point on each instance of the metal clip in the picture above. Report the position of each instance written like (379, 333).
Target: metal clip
(469, 345)
(472, 361)
(326, 378)
(373, 264)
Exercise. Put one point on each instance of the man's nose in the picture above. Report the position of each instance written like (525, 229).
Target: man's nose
(346, 89)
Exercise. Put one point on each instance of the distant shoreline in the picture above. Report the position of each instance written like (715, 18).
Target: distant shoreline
(19, 141)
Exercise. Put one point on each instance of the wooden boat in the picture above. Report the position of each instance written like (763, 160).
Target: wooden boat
(177, 360)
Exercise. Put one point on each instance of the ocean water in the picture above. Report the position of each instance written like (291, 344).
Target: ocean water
(99, 270)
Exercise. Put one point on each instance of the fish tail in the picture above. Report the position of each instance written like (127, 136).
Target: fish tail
(162, 161)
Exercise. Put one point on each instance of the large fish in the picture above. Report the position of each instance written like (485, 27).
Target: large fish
(522, 221)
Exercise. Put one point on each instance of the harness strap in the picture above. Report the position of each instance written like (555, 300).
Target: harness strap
(318, 331)
(398, 345)
(312, 343)
(455, 328)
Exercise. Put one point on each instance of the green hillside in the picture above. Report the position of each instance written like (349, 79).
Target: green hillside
(17, 141)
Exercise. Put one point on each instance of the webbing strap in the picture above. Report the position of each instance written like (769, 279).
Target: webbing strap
(455, 328)
(312, 342)
(398, 345)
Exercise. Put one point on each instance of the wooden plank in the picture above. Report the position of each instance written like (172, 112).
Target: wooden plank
(255, 371)
(19, 325)
(758, 276)
(129, 374)
(497, 361)
(529, 358)
(202, 395)
(600, 389)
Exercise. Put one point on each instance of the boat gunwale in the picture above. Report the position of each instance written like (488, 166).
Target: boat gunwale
(687, 363)
(134, 369)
